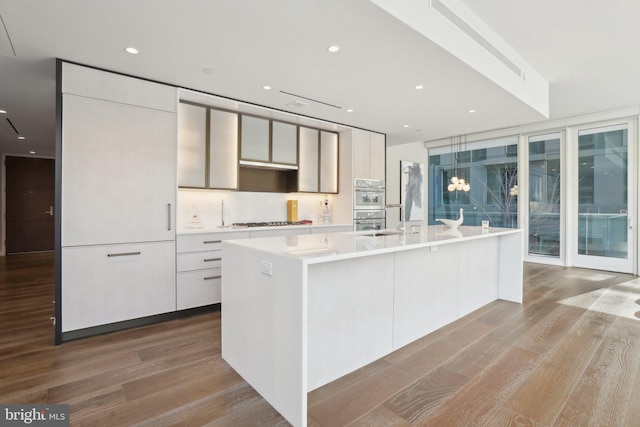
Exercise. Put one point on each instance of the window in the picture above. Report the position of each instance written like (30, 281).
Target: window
(491, 169)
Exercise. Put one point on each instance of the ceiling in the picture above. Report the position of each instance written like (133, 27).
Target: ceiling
(584, 50)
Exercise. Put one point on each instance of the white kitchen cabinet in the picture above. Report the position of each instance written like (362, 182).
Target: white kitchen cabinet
(199, 263)
(118, 172)
(118, 190)
(284, 143)
(254, 145)
(192, 145)
(223, 149)
(377, 156)
(309, 160)
(328, 162)
(369, 153)
(199, 288)
(104, 284)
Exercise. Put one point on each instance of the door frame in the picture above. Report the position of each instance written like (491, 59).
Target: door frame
(3, 201)
(630, 264)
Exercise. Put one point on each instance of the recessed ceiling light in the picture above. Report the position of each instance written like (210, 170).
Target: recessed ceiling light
(471, 111)
(32, 152)
(405, 126)
(418, 87)
(349, 110)
(266, 87)
(3, 112)
(207, 70)
(132, 50)
(333, 48)
(21, 137)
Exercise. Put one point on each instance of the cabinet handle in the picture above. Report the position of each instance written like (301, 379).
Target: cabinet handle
(212, 277)
(169, 216)
(212, 259)
(124, 254)
(206, 242)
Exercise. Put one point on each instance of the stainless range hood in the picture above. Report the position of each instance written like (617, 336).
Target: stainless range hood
(266, 165)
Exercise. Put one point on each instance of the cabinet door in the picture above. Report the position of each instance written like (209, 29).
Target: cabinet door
(119, 172)
(377, 156)
(360, 141)
(255, 139)
(328, 162)
(308, 167)
(192, 145)
(284, 143)
(223, 150)
(112, 283)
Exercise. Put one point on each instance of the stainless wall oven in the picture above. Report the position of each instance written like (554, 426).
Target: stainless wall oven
(368, 220)
(368, 204)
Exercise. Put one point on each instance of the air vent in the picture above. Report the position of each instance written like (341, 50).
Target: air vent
(459, 23)
(309, 99)
(297, 104)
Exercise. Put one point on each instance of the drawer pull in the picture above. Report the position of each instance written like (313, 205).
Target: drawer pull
(206, 242)
(212, 259)
(124, 254)
(212, 277)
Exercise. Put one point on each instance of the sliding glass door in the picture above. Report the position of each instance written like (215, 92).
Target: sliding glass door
(603, 196)
(546, 208)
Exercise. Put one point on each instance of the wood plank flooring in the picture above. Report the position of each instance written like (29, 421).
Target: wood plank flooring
(568, 356)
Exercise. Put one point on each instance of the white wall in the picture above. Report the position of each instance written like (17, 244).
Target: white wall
(414, 152)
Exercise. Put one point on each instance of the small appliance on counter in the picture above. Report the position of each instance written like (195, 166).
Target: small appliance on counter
(195, 221)
(324, 214)
(292, 210)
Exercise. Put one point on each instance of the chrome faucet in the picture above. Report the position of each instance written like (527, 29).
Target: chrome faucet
(400, 226)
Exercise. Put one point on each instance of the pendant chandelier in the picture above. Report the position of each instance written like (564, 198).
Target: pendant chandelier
(457, 183)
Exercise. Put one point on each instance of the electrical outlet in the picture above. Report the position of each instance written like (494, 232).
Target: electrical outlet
(267, 268)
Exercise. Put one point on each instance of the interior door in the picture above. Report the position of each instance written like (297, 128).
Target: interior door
(603, 214)
(30, 199)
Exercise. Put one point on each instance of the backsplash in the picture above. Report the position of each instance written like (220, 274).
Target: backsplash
(247, 207)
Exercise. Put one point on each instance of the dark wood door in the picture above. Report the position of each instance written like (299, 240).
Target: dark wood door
(30, 199)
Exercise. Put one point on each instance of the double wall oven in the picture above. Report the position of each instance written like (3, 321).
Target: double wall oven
(368, 204)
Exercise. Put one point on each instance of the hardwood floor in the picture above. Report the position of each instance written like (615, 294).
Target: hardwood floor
(568, 356)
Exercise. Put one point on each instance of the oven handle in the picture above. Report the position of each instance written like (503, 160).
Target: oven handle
(368, 221)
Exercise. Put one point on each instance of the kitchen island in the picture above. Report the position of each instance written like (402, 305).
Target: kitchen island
(301, 311)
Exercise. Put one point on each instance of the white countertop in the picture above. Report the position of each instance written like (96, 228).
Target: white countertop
(317, 248)
(227, 229)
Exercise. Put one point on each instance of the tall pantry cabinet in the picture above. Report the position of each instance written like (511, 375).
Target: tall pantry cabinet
(118, 197)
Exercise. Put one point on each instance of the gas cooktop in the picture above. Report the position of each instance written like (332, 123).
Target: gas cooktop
(268, 224)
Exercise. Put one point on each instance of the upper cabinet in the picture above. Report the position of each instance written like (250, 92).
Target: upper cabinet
(318, 161)
(284, 138)
(207, 147)
(192, 145)
(221, 149)
(268, 143)
(369, 151)
(309, 160)
(254, 144)
(328, 162)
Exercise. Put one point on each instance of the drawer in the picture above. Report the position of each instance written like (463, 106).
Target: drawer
(199, 260)
(206, 241)
(198, 288)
